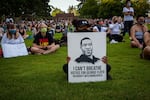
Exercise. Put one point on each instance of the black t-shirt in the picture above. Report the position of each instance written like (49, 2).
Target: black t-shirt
(83, 30)
(43, 41)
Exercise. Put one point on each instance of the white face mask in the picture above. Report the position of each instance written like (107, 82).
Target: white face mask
(129, 4)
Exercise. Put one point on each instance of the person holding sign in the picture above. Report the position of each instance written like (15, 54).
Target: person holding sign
(87, 49)
(12, 43)
(43, 42)
(12, 36)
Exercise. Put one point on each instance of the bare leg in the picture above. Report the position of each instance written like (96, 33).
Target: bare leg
(37, 50)
(134, 44)
(51, 49)
(146, 52)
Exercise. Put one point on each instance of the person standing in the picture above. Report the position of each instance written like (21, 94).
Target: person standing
(128, 12)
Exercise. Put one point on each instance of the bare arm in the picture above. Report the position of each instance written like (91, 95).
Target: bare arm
(38, 46)
(133, 35)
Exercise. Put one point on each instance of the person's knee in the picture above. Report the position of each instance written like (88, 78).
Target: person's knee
(54, 48)
(33, 49)
(133, 44)
(146, 52)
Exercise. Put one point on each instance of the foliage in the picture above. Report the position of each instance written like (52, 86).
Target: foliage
(40, 77)
(73, 10)
(56, 11)
(19, 7)
(109, 8)
(141, 7)
(89, 9)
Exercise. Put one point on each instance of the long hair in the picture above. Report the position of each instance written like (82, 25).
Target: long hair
(9, 35)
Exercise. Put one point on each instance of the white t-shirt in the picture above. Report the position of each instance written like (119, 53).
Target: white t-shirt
(96, 28)
(128, 17)
(6, 40)
(115, 28)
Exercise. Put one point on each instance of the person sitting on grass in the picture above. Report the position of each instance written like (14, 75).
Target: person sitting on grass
(43, 42)
(12, 36)
(137, 32)
(83, 26)
(23, 32)
(115, 31)
(12, 43)
(146, 46)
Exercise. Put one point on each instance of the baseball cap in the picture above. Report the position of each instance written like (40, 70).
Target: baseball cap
(81, 23)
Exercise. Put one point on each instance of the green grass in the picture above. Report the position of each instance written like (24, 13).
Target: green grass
(40, 77)
(148, 25)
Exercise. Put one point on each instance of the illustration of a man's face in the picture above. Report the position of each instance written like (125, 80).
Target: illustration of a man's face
(86, 46)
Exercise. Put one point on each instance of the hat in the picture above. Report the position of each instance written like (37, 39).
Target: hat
(81, 23)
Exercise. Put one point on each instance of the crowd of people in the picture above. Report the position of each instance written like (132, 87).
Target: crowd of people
(43, 32)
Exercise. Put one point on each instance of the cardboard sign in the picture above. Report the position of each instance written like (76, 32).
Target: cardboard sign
(14, 50)
(85, 50)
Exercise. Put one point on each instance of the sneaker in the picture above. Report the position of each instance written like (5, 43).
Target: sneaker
(113, 41)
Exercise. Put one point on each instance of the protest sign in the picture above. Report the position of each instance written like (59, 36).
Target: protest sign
(85, 50)
(14, 50)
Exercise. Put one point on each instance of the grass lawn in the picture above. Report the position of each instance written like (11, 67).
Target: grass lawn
(40, 77)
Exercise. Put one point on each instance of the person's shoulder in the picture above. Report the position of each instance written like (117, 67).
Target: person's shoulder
(38, 35)
(5, 34)
(124, 8)
(48, 34)
(134, 26)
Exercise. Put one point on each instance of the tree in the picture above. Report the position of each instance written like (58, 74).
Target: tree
(109, 8)
(141, 7)
(73, 10)
(56, 11)
(19, 7)
(89, 9)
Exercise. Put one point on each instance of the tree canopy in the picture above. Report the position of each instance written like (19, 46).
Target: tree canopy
(19, 7)
(109, 8)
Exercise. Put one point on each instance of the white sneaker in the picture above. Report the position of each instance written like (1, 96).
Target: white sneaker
(113, 41)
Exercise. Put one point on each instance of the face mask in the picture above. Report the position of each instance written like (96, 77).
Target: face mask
(129, 4)
(43, 30)
(12, 31)
(141, 22)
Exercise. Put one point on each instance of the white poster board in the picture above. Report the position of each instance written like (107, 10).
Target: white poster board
(14, 50)
(80, 68)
